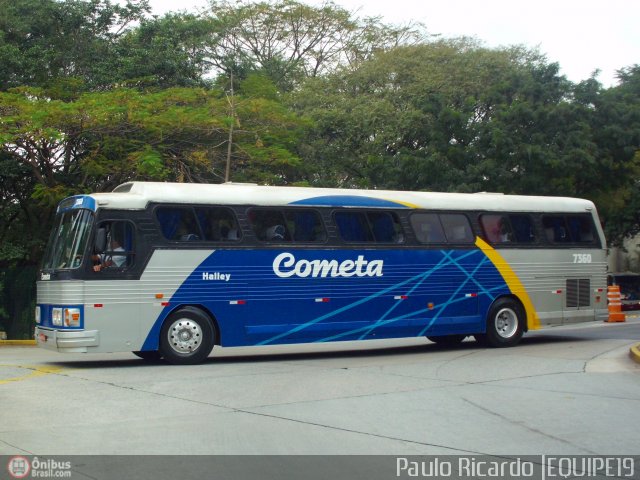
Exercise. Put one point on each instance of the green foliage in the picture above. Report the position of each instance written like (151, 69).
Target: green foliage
(17, 301)
(455, 116)
(164, 52)
(42, 41)
(290, 41)
(104, 138)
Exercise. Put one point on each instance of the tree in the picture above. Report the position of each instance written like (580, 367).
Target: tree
(170, 51)
(102, 139)
(408, 118)
(615, 122)
(454, 116)
(289, 41)
(42, 41)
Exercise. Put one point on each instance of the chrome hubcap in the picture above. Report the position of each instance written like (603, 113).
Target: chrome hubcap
(506, 322)
(185, 336)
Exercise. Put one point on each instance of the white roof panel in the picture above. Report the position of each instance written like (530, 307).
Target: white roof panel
(137, 195)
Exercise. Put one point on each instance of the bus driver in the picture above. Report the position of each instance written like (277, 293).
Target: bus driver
(105, 260)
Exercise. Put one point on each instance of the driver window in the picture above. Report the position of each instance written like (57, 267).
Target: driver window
(117, 251)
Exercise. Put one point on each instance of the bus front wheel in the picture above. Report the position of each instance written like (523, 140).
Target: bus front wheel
(505, 324)
(187, 336)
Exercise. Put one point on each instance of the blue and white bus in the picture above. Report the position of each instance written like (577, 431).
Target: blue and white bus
(169, 270)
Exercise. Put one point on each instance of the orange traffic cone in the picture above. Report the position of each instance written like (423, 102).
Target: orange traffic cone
(615, 304)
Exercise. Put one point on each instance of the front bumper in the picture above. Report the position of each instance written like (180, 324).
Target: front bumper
(76, 341)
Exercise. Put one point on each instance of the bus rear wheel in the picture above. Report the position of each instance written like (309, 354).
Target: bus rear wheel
(187, 336)
(505, 324)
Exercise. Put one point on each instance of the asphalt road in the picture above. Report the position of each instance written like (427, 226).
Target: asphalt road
(568, 390)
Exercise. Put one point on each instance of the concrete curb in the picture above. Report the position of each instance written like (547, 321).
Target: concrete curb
(17, 342)
(634, 352)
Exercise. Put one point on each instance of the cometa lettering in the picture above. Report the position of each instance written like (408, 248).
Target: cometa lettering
(285, 265)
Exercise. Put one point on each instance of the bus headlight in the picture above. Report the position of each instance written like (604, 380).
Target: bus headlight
(71, 317)
(56, 317)
(37, 314)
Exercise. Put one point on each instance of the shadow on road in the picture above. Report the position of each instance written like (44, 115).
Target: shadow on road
(292, 352)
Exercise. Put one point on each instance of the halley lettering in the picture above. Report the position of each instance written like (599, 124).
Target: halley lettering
(285, 265)
(225, 277)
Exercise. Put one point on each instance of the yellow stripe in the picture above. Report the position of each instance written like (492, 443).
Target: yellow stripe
(406, 204)
(512, 281)
(36, 371)
(17, 342)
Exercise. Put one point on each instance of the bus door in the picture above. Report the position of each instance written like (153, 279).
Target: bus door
(112, 296)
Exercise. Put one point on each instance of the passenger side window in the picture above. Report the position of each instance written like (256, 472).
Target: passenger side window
(457, 228)
(496, 228)
(218, 224)
(375, 226)
(305, 225)
(386, 227)
(555, 229)
(178, 224)
(353, 227)
(269, 225)
(568, 229)
(581, 229)
(501, 228)
(523, 229)
(428, 228)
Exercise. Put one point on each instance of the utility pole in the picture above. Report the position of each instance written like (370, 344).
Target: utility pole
(231, 101)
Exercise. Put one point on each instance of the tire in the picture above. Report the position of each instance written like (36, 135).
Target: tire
(187, 336)
(448, 340)
(505, 324)
(149, 355)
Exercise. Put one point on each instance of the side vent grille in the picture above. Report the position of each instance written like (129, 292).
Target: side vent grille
(578, 292)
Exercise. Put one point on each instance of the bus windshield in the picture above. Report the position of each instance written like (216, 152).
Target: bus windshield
(68, 240)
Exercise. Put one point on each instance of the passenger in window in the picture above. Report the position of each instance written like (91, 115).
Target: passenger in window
(106, 260)
(218, 225)
(229, 230)
(184, 226)
(505, 231)
(275, 233)
(182, 233)
(497, 229)
(269, 225)
(586, 234)
(231, 234)
(492, 230)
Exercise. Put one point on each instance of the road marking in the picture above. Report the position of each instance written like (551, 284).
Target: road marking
(36, 371)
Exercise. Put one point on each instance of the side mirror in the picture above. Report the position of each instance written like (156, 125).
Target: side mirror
(101, 240)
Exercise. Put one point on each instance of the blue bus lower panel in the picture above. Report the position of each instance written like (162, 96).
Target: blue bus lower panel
(287, 296)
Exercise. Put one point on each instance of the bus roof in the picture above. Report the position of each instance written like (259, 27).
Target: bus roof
(137, 195)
